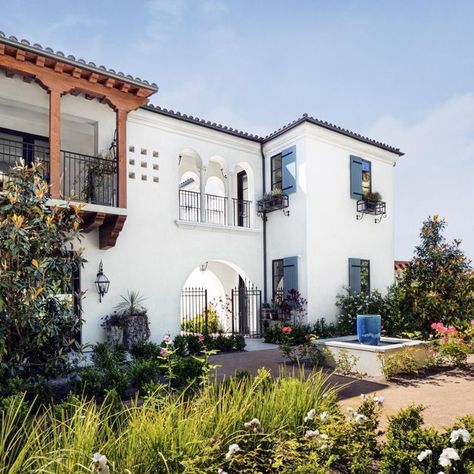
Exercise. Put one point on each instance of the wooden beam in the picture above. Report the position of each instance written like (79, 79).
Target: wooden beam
(93, 221)
(125, 87)
(58, 67)
(2, 49)
(55, 142)
(51, 79)
(9, 73)
(110, 230)
(121, 127)
(40, 60)
(76, 72)
(28, 79)
(20, 55)
(109, 83)
(93, 78)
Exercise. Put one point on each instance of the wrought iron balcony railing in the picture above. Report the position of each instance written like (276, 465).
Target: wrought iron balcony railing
(12, 152)
(215, 211)
(241, 212)
(89, 179)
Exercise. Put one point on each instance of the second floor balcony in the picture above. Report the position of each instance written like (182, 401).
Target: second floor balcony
(213, 209)
(84, 178)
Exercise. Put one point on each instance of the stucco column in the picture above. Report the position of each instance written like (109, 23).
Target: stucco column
(55, 141)
(202, 188)
(121, 122)
(230, 202)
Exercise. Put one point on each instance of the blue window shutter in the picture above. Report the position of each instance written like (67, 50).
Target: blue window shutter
(288, 164)
(354, 274)
(290, 274)
(356, 177)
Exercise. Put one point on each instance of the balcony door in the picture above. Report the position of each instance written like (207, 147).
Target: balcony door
(242, 195)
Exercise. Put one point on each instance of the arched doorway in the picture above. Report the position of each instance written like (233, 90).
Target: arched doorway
(218, 297)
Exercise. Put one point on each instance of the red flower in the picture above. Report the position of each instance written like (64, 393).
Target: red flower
(201, 338)
(286, 329)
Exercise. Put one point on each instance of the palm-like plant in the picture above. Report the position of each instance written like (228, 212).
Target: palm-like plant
(131, 303)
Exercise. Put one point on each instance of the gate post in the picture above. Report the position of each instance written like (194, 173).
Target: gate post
(233, 314)
(206, 327)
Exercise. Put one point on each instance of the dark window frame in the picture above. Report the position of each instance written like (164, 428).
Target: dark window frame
(27, 139)
(365, 262)
(369, 163)
(277, 277)
(276, 184)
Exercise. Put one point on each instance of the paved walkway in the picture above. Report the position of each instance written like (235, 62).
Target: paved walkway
(446, 395)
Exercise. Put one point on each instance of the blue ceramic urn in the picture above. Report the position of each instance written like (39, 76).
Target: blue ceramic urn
(368, 328)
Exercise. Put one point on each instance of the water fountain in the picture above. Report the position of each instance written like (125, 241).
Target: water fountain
(369, 347)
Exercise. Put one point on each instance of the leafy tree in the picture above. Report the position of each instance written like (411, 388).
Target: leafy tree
(38, 323)
(438, 284)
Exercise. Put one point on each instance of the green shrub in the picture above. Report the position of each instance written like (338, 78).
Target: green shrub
(402, 362)
(92, 381)
(181, 344)
(197, 324)
(239, 342)
(145, 350)
(224, 343)
(143, 371)
(106, 357)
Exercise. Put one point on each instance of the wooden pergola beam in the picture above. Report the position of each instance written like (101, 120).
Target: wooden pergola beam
(93, 221)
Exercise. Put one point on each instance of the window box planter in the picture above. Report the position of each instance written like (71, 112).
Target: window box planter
(272, 203)
(373, 208)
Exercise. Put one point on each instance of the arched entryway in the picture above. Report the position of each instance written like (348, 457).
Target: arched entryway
(218, 297)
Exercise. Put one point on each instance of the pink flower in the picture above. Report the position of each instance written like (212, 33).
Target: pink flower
(286, 330)
(163, 352)
(201, 338)
(167, 339)
(451, 330)
(472, 322)
(461, 341)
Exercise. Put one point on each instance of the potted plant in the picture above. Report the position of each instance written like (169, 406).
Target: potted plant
(132, 312)
(114, 325)
(371, 199)
(272, 201)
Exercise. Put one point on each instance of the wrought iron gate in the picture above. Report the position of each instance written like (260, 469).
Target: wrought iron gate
(247, 311)
(194, 311)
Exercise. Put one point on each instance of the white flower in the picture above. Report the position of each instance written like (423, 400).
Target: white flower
(167, 339)
(324, 416)
(221, 471)
(100, 462)
(253, 425)
(310, 415)
(461, 433)
(448, 455)
(323, 436)
(379, 400)
(350, 409)
(362, 396)
(359, 417)
(233, 448)
(424, 454)
(311, 433)
(324, 446)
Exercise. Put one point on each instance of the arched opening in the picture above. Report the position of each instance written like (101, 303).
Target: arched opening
(216, 202)
(189, 186)
(218, 297)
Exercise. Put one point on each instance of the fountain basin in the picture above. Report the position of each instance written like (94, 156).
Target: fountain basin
(370, 358)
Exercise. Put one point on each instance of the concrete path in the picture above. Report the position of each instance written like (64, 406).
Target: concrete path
(446, 395)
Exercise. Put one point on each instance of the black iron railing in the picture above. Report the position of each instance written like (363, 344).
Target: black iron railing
(373, 208)
(194, 311)
(216, 209)
(270, 203)
(12, 152)
(189, 205)
(241, 211)
(89, 178)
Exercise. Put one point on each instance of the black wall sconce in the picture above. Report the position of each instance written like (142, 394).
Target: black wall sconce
(102, 283)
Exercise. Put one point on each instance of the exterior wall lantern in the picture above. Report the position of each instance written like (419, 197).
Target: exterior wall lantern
(203, 267)
(102, 283)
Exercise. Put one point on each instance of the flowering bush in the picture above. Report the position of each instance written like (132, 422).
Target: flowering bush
(449, 345)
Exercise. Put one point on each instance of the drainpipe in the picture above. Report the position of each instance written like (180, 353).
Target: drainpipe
(264, 220)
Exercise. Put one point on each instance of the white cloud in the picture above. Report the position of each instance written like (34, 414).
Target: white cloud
(437, 174)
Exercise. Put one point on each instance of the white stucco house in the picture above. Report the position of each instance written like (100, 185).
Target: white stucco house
(173, 202)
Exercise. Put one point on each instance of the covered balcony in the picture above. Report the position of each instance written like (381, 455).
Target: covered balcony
(65, 112)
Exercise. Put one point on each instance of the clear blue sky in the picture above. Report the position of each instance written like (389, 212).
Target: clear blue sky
(402, 72)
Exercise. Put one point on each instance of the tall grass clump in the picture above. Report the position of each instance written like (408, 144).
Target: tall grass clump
(167, 432)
